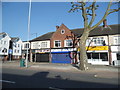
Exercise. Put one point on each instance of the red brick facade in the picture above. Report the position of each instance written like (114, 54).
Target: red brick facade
(59, 36)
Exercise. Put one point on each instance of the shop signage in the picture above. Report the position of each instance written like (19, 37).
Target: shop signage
(42, 51)
(63, 50)
(96, 48)
(115, 48)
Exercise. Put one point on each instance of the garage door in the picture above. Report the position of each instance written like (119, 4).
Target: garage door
(42, 57)
(61, 58)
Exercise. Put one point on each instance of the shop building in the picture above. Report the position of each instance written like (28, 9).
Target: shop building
(62, 45)
(40, 48)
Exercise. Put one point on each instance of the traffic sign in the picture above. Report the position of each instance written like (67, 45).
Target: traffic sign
(10, 51)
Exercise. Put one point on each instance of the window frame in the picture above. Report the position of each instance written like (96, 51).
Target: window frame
(116, 40)
(43, 44)
(62, 31)
(66, 43)
(59, 43)
(98, 41)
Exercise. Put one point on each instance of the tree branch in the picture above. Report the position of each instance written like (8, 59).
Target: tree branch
(93, 14)
(114, 10)
(73, 9)
(105, 15)
(84, 14)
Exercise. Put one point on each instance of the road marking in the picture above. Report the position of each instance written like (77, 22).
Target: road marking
(55, 88)
(7, 81)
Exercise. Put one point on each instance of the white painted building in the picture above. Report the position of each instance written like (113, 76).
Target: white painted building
(40, 44)
(97, 50)
(38, 47)
(4, 44)
(115, 49)
(25, 45)
(16, 47)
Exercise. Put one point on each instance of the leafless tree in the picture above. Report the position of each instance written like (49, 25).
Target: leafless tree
(88, 12)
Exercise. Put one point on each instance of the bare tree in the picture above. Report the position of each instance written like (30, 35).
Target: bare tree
(88, 12)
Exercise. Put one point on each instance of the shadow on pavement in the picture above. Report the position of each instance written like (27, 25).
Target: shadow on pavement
(40, 80)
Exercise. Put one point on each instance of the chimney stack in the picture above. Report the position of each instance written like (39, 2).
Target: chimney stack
(105, 23)
(57, 27)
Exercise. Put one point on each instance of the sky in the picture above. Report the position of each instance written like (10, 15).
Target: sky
(44, 18)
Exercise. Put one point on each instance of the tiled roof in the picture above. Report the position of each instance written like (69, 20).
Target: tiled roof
(14, 38)
(46, 36)
(110, 30)
(2, 33)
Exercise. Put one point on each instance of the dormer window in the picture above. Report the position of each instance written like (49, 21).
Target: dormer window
(62, 31)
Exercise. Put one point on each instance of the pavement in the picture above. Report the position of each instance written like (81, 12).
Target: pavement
(59, 66)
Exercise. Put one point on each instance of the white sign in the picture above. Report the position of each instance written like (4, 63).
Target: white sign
(61, 50)
(115, 48)
(44, 50)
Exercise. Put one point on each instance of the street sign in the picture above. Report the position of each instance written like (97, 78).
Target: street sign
(10, 51)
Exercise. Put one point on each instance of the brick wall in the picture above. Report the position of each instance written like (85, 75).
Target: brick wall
(58, 36)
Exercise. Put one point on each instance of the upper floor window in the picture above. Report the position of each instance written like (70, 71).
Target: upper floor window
(4, 35)
(43, 44)
(88, 42)
(68, 43)
(1, 41)
(57, 43)
(18, 45)
(98, 41)
(15, 50)
(5, 42)
(117, 40)
(14, 44)
(18, 51)
(62, 31)
(26, 45)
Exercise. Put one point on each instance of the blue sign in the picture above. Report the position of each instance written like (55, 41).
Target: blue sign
(10, 51)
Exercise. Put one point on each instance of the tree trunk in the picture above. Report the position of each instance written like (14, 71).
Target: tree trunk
(83, 55)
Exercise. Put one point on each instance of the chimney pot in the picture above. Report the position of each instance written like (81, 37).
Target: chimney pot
(57, 27)
(105, 23)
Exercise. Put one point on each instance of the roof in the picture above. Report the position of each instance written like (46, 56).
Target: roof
(46, 36)
(110, 30)
(100, 30)
(2, 33)
(14, 38)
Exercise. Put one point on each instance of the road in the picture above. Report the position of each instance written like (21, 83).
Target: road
(56, 79)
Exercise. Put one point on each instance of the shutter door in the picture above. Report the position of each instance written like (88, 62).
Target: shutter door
(61, 58)
(42, 57)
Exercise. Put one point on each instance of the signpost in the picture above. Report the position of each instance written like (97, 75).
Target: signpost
(10, 52)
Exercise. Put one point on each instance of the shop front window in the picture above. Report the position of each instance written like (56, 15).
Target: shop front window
(89, 55)
(104, 56)
(98, 56)
(118, 56)
(95, 55)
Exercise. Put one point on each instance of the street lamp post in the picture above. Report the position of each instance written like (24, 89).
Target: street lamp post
(28, 33)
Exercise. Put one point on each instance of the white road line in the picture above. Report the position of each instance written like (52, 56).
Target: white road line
(7, 81)
(55, 88)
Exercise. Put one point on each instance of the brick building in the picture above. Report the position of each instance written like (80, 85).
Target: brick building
(62, 45)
